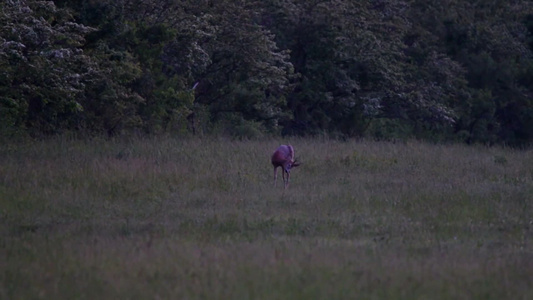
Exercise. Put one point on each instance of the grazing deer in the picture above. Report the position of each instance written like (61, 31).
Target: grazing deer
(284, 157)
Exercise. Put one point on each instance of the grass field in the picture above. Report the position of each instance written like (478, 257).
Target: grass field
(167, 218)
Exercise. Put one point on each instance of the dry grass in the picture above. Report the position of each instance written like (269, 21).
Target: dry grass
(199, 219)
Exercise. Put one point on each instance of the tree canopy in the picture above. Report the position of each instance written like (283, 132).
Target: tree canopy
(450, 70)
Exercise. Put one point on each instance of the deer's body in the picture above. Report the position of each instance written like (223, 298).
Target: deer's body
(284, 157)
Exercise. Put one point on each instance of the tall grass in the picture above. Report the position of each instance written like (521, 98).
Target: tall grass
(200, 219)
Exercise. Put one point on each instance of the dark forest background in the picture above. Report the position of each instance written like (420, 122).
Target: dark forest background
(452, 70)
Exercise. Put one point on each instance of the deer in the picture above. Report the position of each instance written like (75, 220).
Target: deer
(284, 157)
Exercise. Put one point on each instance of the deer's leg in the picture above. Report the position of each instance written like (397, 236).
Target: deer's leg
(288, 177)
(275, 175)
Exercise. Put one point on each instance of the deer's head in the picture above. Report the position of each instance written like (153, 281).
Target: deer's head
(291, 165)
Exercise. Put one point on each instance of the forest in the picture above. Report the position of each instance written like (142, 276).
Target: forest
(452, 70)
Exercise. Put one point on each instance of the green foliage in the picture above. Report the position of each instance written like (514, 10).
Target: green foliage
(450, 70)
(355, 66)
(43, 66)
(489, 40)
(247, 75)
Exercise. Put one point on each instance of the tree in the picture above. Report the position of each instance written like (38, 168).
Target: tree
(247, 77)
(489, 41)
(43, 66)
(240, 75)
(453, 69)
(354, 68)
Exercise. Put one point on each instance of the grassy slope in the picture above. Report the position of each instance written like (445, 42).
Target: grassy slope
(200, 219)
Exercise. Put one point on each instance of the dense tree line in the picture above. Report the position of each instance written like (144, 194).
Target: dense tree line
(445, 70)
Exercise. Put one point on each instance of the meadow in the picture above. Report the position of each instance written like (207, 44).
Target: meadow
(199, 218)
